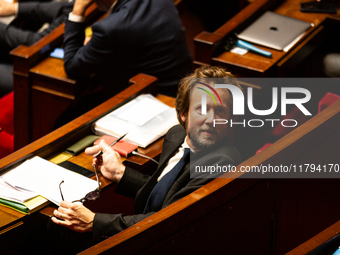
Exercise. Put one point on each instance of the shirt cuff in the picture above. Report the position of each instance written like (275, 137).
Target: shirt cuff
(75, 18)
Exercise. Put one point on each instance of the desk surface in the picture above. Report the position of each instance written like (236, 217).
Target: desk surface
(9, 218)
(318, 243)
(234, 204)
(290, 8)
(252, 64)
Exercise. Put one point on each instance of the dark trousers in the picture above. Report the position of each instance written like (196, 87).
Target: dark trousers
(6, 78)
(62, 240)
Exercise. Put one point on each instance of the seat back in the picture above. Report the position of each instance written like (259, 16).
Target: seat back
(6, 124)
(327, 100)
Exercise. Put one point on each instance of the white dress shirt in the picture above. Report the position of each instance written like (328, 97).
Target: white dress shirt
(175, 159)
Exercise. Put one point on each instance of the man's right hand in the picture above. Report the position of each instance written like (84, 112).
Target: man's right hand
(7, 9)
(109, 163)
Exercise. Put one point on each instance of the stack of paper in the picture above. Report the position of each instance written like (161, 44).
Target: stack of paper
(11, 193)
(145, 119)
(18, 199)
(43, 178)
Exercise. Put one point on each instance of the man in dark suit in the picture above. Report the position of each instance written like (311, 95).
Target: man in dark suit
(209, 146)
(35, 14)
(137, 36)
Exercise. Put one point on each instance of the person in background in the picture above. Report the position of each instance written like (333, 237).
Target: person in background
(137, 36)
(35, 15)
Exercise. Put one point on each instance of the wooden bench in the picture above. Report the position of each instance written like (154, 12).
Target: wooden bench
(43, 92)
(15, 226)
(209, 47)
(239, 215)
(235, 214)
(41, 95)
(325, 242)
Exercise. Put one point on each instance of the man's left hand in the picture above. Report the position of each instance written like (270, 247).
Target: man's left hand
(74, 216)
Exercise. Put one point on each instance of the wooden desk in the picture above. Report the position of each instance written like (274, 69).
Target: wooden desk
(244, 216)
(42, 90)
(209, 46)
(259, 216)
(56, 142)
(326, 242)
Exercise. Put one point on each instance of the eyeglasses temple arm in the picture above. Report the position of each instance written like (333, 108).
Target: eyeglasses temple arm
(61, 193)
(95, 170)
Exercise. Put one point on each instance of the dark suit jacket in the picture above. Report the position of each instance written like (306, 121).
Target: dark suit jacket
(139, 186)
(36, 14)
(140, 36)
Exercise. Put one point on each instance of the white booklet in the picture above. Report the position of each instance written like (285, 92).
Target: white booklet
(43, 177)
(144, 119)
(13, 194)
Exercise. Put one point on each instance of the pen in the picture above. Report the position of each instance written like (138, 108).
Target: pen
(251, 47)
(120, 138)
(232, 41)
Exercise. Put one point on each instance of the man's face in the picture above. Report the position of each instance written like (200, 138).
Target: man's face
(201, 132)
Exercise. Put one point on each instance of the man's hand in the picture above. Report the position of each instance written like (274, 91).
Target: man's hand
(74, 216)
(6, 9)
(110, 163)
(80, 7)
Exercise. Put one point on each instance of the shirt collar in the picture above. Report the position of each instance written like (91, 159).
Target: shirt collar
(185, 144)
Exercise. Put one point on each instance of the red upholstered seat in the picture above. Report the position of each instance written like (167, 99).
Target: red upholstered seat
(296, 115)
(6, 143)
(327, 100)
(6, 124)
(263, 147)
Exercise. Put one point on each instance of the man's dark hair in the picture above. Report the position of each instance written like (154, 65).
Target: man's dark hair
(186, 84)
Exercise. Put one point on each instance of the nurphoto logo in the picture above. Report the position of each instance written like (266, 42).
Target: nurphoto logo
(238, 103)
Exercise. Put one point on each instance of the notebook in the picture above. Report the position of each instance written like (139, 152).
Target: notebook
(144, 119)
(124, 148)
(275, 31)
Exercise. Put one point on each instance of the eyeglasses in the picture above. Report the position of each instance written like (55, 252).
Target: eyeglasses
(93, 195)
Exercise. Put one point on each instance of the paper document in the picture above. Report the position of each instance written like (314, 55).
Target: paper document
(13, 194)
(145, 119)
(142, 111)
(43, 178)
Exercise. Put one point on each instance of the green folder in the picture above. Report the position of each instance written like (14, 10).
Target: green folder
(14, 205)
(82, 144)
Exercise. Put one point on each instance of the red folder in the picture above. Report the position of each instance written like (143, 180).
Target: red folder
(122, 147)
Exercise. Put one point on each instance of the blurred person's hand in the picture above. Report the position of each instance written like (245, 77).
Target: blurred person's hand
(6, 8)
